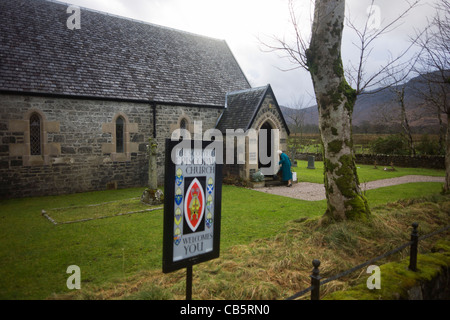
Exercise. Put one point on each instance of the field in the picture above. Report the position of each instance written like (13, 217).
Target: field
(120, 256)
(310, 142)
(366, 173)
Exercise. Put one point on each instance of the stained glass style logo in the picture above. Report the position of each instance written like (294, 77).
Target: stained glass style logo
(178, 196)
(179, 177)
(194, 206)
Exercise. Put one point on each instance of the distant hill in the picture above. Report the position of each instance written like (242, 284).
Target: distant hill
(382, 108)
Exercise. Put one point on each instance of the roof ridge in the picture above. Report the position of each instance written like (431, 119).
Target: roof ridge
(136, 20)
(248, 90)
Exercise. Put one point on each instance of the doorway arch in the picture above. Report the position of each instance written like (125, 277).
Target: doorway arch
(266, 150)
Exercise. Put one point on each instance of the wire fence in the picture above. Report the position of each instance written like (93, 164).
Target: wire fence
(413, 244)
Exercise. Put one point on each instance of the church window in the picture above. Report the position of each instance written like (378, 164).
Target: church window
(35, 135)
(183, 124)
(120, 126)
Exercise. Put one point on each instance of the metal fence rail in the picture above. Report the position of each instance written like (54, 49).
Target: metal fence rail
(413, 244)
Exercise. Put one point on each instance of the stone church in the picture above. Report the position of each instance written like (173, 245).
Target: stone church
(78, 106)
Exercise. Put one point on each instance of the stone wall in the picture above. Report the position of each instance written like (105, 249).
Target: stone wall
(78, 143)
(431, 162)
(78, 152)
(169, 118)
(436, 288)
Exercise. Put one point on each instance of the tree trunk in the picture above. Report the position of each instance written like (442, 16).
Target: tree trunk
(441, 132)
(447, 157)
(404, 121)
(335, 100)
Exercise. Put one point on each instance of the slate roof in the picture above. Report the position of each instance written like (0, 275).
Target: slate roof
(242, 107)
(110, 57)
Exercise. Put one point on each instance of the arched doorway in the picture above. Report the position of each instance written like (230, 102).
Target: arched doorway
(265, 145)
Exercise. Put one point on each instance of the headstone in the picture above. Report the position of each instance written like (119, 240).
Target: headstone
(152, 166)
(311, 162)
(152, 195)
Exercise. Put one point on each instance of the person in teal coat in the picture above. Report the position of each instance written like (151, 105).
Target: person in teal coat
(285, 169)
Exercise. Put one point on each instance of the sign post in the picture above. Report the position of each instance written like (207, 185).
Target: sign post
(192, 206)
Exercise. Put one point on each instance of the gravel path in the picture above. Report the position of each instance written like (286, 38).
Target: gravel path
(316, 191)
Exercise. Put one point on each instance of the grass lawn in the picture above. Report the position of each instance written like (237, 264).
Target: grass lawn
(73, 214)
(366, 173)
(34, 253)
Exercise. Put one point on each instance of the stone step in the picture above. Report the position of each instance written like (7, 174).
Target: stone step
(273, 183)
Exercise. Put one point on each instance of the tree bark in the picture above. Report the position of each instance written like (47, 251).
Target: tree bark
(404, 121)
(335, 101)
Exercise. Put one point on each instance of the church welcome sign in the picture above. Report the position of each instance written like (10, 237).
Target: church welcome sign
(192, 204)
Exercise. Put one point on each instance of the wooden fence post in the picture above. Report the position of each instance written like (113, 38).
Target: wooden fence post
(315, 281)
(189, 282)
(413, 248)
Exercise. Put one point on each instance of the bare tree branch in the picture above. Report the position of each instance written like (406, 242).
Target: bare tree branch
(295, 52)
(366, 37)
(435, 71)
(356, 74)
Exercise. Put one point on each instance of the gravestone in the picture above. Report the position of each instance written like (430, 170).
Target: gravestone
(152, 195)
(311, 162)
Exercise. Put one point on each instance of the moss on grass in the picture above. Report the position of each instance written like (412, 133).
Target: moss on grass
(397, 279)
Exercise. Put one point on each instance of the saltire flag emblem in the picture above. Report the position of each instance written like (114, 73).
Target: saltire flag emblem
(194, 205)
(210, 185)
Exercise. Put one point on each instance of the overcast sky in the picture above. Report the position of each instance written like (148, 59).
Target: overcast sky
(242, 22)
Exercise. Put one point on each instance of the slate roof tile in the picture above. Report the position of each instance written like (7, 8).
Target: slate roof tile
(241, 107)
(111, 57)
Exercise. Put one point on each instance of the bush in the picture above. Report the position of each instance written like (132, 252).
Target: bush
(393, 144)
(427, 146)
(258, 176)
